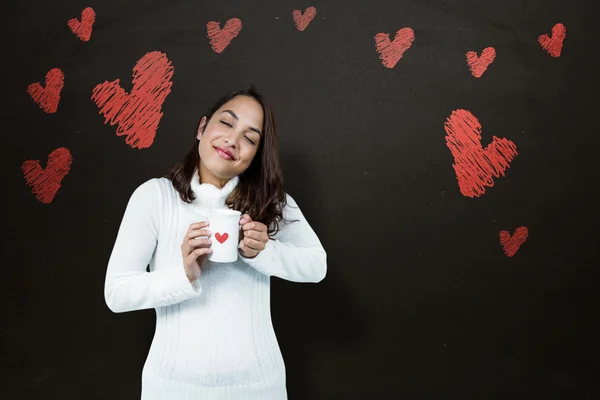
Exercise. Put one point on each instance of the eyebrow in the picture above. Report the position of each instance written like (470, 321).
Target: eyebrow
(237, 119)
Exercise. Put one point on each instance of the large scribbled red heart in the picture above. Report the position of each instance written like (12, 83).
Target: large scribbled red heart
(220, 38)
(137, 113)
(221, 238)
(511, 244)
(554, 45)
(302, 20)
(83, 29)
(478, 65)
(475, 166)
(48, 97)
(46, 182)
(391, 52)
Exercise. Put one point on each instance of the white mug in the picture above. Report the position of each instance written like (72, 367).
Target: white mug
(225, 229)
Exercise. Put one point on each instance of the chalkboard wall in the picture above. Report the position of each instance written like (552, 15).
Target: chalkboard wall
(459, 267)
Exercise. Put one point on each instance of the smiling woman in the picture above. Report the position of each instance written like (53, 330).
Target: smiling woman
(214, 337)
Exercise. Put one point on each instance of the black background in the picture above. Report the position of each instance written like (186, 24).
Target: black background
(419, 300)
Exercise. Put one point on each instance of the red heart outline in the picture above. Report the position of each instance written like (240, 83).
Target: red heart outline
(511, 244)
(83, 29)
(478, 65)
(221, 38)
(302, 20)
(46, 182)
(137, 113)
(554, 45)
(475, 166)
(48, 97)
(391, 52)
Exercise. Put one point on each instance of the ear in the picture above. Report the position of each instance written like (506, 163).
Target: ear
(201, 128)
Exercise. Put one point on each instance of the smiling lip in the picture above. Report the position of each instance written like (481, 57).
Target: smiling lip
(224, 153)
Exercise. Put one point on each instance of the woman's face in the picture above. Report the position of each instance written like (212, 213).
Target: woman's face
(230, 140)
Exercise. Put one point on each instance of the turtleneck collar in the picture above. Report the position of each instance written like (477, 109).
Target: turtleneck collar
(208, 195)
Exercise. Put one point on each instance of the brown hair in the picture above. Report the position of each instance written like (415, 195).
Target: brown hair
(260, 191)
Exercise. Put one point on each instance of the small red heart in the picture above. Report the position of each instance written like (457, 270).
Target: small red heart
(554, 45)
(83, 29)
(478, 65)
(137, 113)
(220, 38)
(301, 20)
(49, 97)
(221, 238)
(391, 52)
(510, 244)
(46, 182)
(475, 166)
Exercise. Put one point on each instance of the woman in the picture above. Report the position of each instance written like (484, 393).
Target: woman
(214, 338)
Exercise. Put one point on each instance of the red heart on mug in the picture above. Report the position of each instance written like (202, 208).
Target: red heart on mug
(221, 238)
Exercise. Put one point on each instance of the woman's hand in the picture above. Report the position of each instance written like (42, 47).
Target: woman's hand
(254, 237)
(195, 250)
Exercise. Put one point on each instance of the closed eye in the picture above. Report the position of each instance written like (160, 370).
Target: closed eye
(249, 139)
(223, 122)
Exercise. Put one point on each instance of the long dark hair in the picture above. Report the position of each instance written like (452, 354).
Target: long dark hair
(260, 191)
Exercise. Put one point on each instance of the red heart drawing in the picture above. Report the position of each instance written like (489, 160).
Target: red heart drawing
(83, 29)
(475, 166)
(510, 244)
(478, 65)
(46, 182)
(221, 238)
(302, 21)
(49, 97)
(554, 45)
(139, 112)
(391, 52)
(220, 38)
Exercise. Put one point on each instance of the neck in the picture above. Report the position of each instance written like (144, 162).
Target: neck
(212, 195)
(208, 177)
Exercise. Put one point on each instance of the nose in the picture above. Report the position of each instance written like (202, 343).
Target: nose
(230, 142)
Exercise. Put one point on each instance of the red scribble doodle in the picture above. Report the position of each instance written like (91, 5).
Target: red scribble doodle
(475, 166)
(554, 45)
(511, 244)
(48, 97)
(46, 182)
(220, 38)
(478, 65)
(221, 238)
(391, 52)
(301, 20)
(139, 112)
(83, 29)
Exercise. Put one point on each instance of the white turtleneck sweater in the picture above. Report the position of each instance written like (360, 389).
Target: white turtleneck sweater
(214, 338)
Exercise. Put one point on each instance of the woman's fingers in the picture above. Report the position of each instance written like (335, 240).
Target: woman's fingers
(200, 251)
(253, 243)
(194, 233)
(189, 245)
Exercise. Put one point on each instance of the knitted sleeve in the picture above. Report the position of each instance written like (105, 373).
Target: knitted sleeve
(296, 254)
(128, 286)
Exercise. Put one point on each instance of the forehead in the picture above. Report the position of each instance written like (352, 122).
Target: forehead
(246, 108)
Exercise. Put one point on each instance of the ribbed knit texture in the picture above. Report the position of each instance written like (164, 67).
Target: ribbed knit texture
(214, 338)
